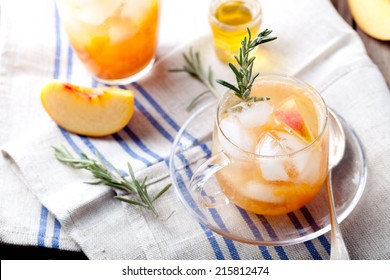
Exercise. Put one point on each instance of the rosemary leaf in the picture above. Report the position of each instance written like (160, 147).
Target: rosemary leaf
(228, 85)
(234, 69)
(130, 201)
(194, 67)
(160, 193)
(114, 179)
(244, 74)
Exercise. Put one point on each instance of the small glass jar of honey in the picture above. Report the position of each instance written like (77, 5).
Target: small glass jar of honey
(229, 20)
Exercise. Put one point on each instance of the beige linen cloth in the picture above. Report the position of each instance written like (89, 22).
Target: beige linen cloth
(45, 203)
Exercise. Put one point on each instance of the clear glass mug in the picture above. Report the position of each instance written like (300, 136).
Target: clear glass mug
(115, 39)
(229, 20)
(269, 157)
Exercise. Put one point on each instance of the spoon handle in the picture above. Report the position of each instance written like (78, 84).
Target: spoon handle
(338, 249)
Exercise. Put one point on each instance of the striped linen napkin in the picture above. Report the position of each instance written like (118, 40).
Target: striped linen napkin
(68, 214)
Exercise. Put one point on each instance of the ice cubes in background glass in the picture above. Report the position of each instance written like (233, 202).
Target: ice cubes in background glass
(121, 29)
(262, 192)
(254, 114)
(95, 12)
(136, 9)
(237, 134)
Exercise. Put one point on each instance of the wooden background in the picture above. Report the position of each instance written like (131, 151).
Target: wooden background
(379, 51)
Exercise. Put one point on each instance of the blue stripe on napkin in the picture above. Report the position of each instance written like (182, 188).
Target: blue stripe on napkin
(210, 235)
(42, 227)
(255, 232)
(140, 144)
(309, 245)
(57, 56)
(129, 151)
(44, 211)
(166, 117)
(279, 249)
(70, 63)
(309, 218)
(153, 121)
(55, 243)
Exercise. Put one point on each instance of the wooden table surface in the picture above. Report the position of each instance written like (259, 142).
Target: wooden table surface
(379, 51)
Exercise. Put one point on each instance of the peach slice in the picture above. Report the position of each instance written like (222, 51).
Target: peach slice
(373, 17)
(88, 111)
(288, 113)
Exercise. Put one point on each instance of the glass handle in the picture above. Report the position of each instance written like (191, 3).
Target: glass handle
(209, 195)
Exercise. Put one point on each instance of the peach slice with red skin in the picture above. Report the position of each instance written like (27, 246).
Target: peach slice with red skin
(289, 114)
(88, 111)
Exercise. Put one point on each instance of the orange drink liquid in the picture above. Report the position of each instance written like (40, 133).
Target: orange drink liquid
(115, 39)
(229, 20)
(277, 149)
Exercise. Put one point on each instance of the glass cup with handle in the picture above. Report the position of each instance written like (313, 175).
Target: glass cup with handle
(269, 157)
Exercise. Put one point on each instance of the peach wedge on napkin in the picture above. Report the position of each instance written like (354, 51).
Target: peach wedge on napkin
(88, 111)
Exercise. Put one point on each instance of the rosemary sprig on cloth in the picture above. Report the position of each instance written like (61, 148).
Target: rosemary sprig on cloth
(113, 179)
(194, 67)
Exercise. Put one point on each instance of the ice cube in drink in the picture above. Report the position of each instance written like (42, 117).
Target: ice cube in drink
(278, 148)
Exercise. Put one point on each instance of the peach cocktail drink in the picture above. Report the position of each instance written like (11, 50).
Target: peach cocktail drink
(115, 39)
(271, 156)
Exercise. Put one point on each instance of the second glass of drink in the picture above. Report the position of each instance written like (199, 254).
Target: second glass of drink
(115, 39)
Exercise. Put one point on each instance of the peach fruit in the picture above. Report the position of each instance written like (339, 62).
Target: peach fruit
(372, 16)
(289, 113)
(88, 111)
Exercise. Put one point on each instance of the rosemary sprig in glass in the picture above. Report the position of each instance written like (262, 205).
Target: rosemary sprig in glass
(114, 179)
(244, 76)
(195, 68)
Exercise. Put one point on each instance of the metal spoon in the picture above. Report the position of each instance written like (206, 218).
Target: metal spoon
(336, 152)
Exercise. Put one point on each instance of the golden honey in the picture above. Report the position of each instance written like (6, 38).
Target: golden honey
(229, 21)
